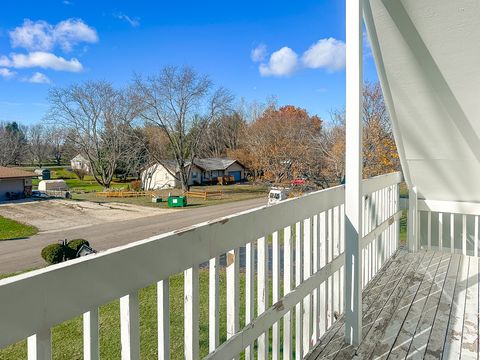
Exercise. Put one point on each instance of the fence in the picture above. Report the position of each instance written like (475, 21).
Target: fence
(293, 251)
(124, 194)
(205, 195)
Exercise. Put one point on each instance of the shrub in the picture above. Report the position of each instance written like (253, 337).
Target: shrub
(81, 173)
(53, 253)
(75, 245)
(136, 185)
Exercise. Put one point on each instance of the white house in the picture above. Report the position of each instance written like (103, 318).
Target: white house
(159, 176)
(80, 162)
(204, 171)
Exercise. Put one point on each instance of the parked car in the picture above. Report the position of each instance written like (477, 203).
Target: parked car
(298, 181)
(39, 194)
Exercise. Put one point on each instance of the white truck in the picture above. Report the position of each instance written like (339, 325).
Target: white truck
(277, 195)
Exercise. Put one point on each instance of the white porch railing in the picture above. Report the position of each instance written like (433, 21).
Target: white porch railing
(448, 226)
(296, 246)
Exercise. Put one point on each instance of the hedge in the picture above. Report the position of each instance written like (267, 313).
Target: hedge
(53, 253)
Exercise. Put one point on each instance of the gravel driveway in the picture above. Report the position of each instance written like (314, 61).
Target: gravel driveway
(57, 215)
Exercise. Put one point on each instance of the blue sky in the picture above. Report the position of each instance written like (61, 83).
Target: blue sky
(293, 50)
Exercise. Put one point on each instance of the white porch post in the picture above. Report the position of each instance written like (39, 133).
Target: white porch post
(412, 219)
(353, 174)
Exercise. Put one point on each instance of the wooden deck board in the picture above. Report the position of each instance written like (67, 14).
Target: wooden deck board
(422, 305)
(377, 283)
(434, 349)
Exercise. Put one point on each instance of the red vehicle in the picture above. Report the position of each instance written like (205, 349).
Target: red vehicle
(298, 181)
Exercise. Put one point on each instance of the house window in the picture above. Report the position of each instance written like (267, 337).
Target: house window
(194, 175)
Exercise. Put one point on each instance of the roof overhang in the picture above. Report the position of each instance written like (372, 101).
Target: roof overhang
(428, 60)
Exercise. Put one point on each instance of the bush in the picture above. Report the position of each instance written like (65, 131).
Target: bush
(75, 245)
(81, 173)
(136, 185)
(53, 253)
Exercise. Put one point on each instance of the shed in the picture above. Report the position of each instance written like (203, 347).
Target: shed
(15, 181)
(52, 185)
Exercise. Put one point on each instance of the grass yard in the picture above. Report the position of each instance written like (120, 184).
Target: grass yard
(230, 193)
(10, 229)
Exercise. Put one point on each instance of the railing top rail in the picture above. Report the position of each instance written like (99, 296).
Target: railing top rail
(381, 181)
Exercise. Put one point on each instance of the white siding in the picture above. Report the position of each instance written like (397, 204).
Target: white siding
(157, 177)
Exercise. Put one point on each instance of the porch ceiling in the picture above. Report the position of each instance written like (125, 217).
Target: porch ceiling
(428, 58)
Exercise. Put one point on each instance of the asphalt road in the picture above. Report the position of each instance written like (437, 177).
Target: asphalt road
(22, 254)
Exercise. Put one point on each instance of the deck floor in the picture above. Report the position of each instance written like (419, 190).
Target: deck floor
(422, 305)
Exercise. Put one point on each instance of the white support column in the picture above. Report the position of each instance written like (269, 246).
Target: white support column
(412, 220)
(353, 173)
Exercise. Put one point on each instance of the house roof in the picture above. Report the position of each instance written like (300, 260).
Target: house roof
(206, 164)
(80, 157)
(210, 164)
(14, 173)
(427, 56)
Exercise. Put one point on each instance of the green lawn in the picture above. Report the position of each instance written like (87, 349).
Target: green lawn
(10, 229)
(230, 193)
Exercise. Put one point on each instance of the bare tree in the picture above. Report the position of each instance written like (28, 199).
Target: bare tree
(96, 118)
(56, 136)
(176, 101)
(379, 150)
(39, 144)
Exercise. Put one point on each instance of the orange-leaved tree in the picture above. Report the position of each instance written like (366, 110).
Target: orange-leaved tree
(279, 143)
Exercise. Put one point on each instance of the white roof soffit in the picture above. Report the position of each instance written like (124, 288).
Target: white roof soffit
(428, 58)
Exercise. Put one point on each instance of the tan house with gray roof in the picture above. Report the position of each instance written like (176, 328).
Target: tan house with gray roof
(15, 183)
(204, 171)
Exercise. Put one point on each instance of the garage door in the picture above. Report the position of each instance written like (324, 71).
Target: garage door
(11, 185)
(237, 175)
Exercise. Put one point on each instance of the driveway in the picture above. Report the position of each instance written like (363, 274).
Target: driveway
(17, 255)
(60, 215)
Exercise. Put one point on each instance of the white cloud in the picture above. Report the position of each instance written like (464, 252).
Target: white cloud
(38, 78)
(7, 73)
(40, 35)
(325, 53)
(259, 53)
(133, 21)
(42, 60)
(282, 63)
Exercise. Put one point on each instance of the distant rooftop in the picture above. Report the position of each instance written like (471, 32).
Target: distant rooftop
(210, 164)
(14, 173)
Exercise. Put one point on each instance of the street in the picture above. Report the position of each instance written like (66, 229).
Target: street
(23, 254)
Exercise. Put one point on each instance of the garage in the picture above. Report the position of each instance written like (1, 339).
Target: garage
(237, 175)
(15, 183)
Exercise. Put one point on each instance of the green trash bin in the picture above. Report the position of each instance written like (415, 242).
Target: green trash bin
(177, 201)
